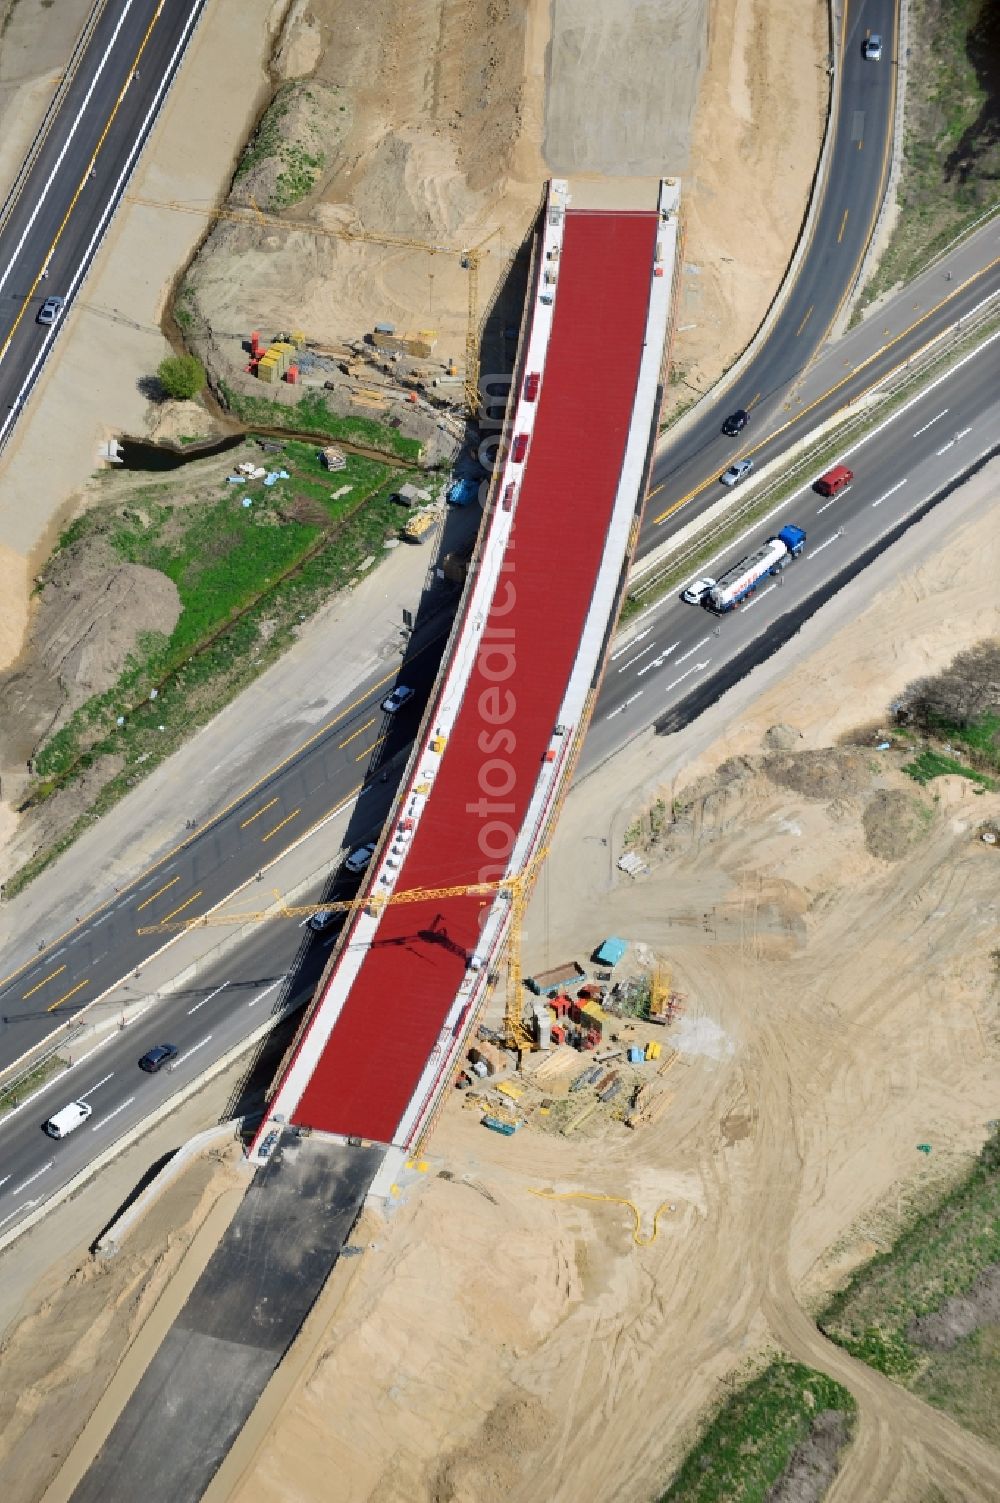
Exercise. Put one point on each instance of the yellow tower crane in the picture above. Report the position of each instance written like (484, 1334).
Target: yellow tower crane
(518, 887)
(253, 215)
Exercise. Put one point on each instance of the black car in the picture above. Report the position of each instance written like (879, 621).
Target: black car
(735, 423)
(155, 1059)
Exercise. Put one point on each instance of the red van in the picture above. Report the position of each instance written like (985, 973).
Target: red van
(520, 448)
(834, 481)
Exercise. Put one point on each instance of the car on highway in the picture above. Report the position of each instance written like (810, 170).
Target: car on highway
(872, 48)
(696, 592)
(359, 859)
(50, 310)
(325, 919)
(737, 472)
(155, 1059)
(68, 1119)
(735, 422)
(394, 702)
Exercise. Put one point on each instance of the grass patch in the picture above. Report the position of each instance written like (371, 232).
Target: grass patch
(930, 764)
(951, 152)
(12, 1096)
(748, 1445)
(247, 578)
(310, 414)
(943, 1254)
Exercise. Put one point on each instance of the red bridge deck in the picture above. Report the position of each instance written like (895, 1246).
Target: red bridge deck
(395, 1011)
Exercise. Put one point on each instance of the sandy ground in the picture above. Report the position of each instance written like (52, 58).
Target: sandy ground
(841, 1008)
(80, 402)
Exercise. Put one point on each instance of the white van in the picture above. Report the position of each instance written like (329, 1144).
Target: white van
(68, 1119)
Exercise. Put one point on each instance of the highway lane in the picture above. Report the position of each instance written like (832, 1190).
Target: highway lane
(53, 228)
(345, 761)
(686, 471)
(670, 666)
(274, 971)
(676, 659)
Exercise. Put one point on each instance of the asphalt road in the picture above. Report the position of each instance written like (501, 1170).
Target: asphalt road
(345, 760)
(679, 658)
(50, 233)
(686, 473)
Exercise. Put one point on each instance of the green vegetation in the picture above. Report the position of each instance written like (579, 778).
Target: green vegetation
(943, 1254)
(299, 167)
(181, 376)
(12, 1095)
(930, 764)
(951, 160)
(310, 414)
(748, 1445)
(247, 576)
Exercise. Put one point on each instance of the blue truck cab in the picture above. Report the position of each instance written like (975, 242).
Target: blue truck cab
(793, 538)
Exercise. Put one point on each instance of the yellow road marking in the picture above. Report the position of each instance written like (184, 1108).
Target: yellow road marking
(805, 320)
(66, 996)
(82, 183)
(831, 390)
(262, 810)
(355, 734)
(50, 977)
(287, 819)
(233, 803)
(181, 909)
(368, 750)
(146, 901)
(843, 226)
(753, 401)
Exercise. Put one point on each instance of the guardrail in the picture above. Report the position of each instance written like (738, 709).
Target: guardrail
(814, 454)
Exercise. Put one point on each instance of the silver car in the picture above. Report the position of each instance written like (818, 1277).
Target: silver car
(696, 592)
(872, 49)
(51, 309)
(359, 859)
(737, 472)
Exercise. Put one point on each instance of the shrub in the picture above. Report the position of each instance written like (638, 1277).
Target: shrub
(181, 376)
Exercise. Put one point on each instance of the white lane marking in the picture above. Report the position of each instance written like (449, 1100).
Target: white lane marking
(696, 669)
(897, 487)
(139, 141)
(647, 612)
(31, 1178)
(949, 445)
(28, 1205)
(758, 598)
(962, 433)
(629, 645)
(821, 509)
(101, 920)
(933, 420)
(254, 1000)
(201, 1043)
(96, 1087)
(829, 540)
(692, 650)
(67, 144)
(612, 713)
(642, 654)
(658, 662)
(98, 1125)
(632, 700)
(218, 989)
(5, 1179)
